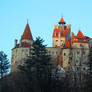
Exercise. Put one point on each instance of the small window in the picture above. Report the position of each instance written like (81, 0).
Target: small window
(61, 34)
(61, 40)
(69, 62)
(78, 52)
(77, 68)
(76, 61)
(84, 68)
(56, 34)
(56, 52)
(83, 52)
(52, 53)
(64, 54)
(81, 45)
(64, 27)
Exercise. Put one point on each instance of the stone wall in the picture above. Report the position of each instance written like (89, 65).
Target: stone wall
(66, 58)
(59, 42)
(18, 56)
(80, 59)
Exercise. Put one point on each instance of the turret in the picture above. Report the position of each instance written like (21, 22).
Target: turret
(27, 36)
(16, 42)
(62, 21)
(61, 33)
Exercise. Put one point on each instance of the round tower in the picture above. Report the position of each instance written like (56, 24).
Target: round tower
(21, 50)
(27, 38)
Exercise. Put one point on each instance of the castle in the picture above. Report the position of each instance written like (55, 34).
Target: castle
(69, 50)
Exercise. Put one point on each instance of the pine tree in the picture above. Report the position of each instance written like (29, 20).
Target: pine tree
(90, 62)
(37, 66)
(89, 76)
(4, 64)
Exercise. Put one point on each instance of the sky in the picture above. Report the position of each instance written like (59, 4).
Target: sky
(42, 16)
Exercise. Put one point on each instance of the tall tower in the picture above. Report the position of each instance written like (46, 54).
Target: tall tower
(27, 38)
(21, 50)
(61, 34)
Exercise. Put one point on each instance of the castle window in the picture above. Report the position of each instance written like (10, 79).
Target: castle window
(61, 34)
(84, 68)
(64, 54)
(76, 61)
(78, 52)
(49, 52)
(64, 27)
(56, 52)
(83, 52)
(56, 34)
(81, 45)
(69, 62)
(77, 68)
(52, 53)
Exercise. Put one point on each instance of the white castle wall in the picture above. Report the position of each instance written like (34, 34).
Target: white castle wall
(66, 58)
(18, 56)
(27, 41)
(80, 45)
(53, 51)
(80, 59)
(59, 41)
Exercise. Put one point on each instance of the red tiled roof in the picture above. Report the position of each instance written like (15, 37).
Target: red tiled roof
(80, 35)
(27, 33)
(57, 31)
(61, 21)
(80, 38)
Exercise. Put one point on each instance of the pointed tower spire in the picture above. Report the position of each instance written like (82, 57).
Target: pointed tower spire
(80, 35)
(62, 21)
(27, 33)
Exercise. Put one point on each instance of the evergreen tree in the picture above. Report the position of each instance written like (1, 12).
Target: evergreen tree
(37, 66)
(89, 76)
(90, 62)
(4, 64)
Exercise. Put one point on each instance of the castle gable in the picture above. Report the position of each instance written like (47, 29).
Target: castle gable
(80, 35)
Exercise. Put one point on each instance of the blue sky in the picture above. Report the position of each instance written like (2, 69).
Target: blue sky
(42, 16)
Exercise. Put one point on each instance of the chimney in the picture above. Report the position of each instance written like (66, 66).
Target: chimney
(16, 42)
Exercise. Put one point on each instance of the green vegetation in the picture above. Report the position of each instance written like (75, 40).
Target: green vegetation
(36, 67)
(35, 75)
(4, 64)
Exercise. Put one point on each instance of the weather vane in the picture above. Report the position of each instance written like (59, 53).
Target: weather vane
(27, 21)
(62, 15)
